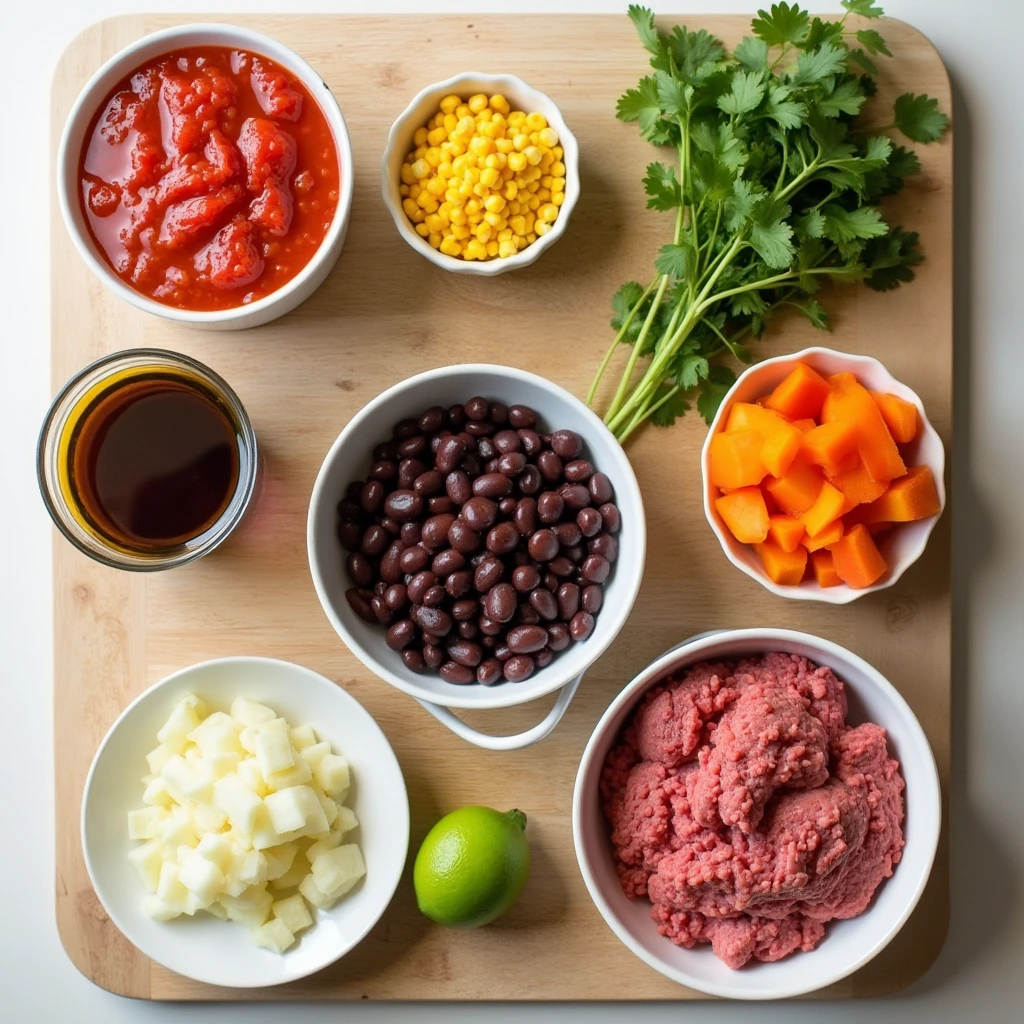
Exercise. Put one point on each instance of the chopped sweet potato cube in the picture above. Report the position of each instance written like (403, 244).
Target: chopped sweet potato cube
(783, 567)
(807, 423)
(857, 484)
(736, 459)
(797, 490)
(825, 569)
(781, 440)
(743, 511)
(857, 560)
(828, 536)
(911, 497)
(833, 446)
(786, 531)
(827, 507)
(801, 394)
(900, 416)
(849, 402)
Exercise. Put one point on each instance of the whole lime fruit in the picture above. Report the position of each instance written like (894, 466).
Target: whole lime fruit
(472, 866)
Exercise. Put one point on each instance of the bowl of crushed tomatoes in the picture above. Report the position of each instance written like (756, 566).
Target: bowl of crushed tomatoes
(205, 175)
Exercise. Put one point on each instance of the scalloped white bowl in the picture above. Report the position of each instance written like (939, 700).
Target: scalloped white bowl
(423, 106)
(903, 546)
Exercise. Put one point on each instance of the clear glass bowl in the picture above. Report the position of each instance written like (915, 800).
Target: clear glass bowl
(71, 407)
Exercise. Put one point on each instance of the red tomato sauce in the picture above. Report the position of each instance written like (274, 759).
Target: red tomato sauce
(209, 178)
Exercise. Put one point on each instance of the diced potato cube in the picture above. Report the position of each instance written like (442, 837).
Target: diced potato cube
(251, 909)
(218, 738)
(330, 808)
(252, 867)
(274, 935)
(146, 822)
(159, 756)
(209, 817)
(201, 877)
(346, 820)
(311, 755)
(178, 775)
(299, 773)
(247, 737)
(157, 794)
(193, 904)
(183, 719)
(249, 772)
(147, 860)
(279, 859)
(296, 811)
(169, 887)
(179, 829)
(249, 712)
(217, 910)
(238, 802)
(332, 774)
(215, 848)
(159, 910)
(193, 755)
(233, 886)
(293, 876)
(273, 751)
(302, 736)
(329, 842)
(336, 871)
(219, 765)
(308, 888)
(293, 913)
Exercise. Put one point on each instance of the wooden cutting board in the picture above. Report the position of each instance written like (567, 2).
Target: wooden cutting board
(384, 314)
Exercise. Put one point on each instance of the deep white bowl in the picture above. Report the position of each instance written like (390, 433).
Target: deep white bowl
(847, 945)
(293, 292)
(349, 459)
(423, 106)
(905, 543)
(219, 952)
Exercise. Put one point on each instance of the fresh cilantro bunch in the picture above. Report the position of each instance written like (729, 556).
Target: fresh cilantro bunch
(775, 189)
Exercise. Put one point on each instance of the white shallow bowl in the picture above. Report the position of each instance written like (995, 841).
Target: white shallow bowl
(203, 947)
(847, 945)
(293, 292)
(349, 459)
(424, 106)
(905, 543)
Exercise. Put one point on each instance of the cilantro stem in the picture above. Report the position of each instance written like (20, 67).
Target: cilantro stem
(644, 415)
(615, 343)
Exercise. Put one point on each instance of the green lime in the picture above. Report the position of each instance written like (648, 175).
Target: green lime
(472, 866)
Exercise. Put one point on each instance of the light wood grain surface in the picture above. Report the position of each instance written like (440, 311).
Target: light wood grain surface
(384, 314)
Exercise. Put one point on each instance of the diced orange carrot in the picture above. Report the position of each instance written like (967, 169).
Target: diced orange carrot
(743, 512)
(736, 459)
(786, 531)
(780, 449)
(783, 567)
(825, 569)
(850, 402)
(857, 484)
(805, 424)
(831, 446)
(797, 490)
(911, 497)
(900, 416)
(801, 394)
(858, 561)
(827, 507)
(828, 536)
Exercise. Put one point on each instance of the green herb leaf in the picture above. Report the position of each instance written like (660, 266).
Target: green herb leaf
(675, 260)
(814, 311)
(673, 94)
(872, 42)
(785, 112)
(816, 65)
(752, 53)
(919, 117)
(863, 61)
(713, 390)
(811, 225)
(642, 104)
(692, 369)
(784, 24)
(890, 260)
(623, 302)
(846, 225)
(643, 19)
(662, 187)
(845, 98)
(671, 409)
(773, 242)
(865, 8)
(823, 32)
(696, 55)
(746, 93)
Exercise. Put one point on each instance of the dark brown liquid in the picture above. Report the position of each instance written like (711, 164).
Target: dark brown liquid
(155, 461)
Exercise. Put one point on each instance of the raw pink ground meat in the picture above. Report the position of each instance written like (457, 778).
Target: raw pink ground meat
(747, 811)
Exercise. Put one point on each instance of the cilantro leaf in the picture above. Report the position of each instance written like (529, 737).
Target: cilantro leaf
(692, 369)
(823, 32)
(662, 187)
(919, 117)
(673, 94)
(815, 65)
(623, 302)
(814, 311)
(865, 8)
(752, 53)
(746, 93)
(845, 98)
(642, 105)
(773, 243)
(740, 205)
(784, 24)
(713, 390)
(670, 410)
(902, 163)
(675, 260)
(811, 225)
(873, 42)
(863, 61)
(643, 20)
(696, 55)
(890, 260)
(785, 112)
(846, 225)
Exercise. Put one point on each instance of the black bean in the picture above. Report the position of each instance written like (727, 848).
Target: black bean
(403, 505)
(551, 582)
(458, 486)
(593, 598)
(506, 442)
(468, 629)
(525, 578)
(489, 627)
(480, 513)
(391, 563)
(543, 545)
(480, 428)
(502, 651)
(595, 568)
(463, 538)
(360, 568)
(413, 660)
(384, 470)
(605, 545)
(503, 538)
(521, 416)
(525, 516)
(458, 584)
(544, 603)
(575, 496)
(354, 491)
(411, 533)
(470, 464)
(456, 416)
(492, 485)
(543, 657)
(350, 533)
(558, 636)
(500, 602)
(550, 466)
(568, 597)
(385, 452)
(411, 448)
(349, 509)
(589, 521)
(465, 609)
(375, 540)
(582, 626)
(568, 534)
(433, 597)
(379, 587)
(439, 505)
(433, 621)
(405, 428)
(447, 562)
(566, 444)
(433, 655)
(429, 483)
(512, 465)
(530, 440)
(465, 652)
(413, 559)
(549, 507)
(395, 596)
(529, 481)
(408, 470)
(452, 672)
(526, 614)
(574, 553)
(431, 421)
(601, 490)
(419, 585)
(561, 566)
(450, 453)
(393, 526)
(487, 573)
(371, 496)
(612, 520)
(578, 471)
(489, 672)
(498, 412)
(485, 448)
(507, 506)
(477, 408)
(359, 602)
(400, 635)
(526, 639)
(518, 668)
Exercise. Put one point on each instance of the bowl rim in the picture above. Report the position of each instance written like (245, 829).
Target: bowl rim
(608, 625)
(84, 108)
(242, 661)
(687, 653)
(504, 83)
(842, 593)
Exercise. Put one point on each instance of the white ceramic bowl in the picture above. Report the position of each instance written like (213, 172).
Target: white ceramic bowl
(905, 543)
(203, 947)
(289, 295)
(847, 945)
(349, 459)
(424, 105)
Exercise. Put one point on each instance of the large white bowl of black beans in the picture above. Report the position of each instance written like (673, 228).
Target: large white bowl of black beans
(476, 536)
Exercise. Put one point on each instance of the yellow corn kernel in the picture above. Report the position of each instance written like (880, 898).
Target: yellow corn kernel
(410, 207)
(499, 103)
(520, 240)
(511, 190)
(533, 155)
(452, 196)
(445, 169)
(450, 247)
(456, 148)
(557, 185)
(420, 169)
(546, 160)
(492, 249)
(548, 137)
(481, 190)
(521, 141)
(544, 195)
(557, 152)
(419, 137)
(451, 122)
(471, 175)
(406, 174)
(518, 224)
(517, 161)
(437, 121)
(547, 212)
(422, 230)
(434, 240)
(543, 227)
(531, 238)
(535, 122)
(558, 198)
(450, 102)
(506, 247)
(403, 190)
(473, 208)
(505, 146)
(505, 234)
(483, 116)
(477, 103)
(437, 136)
(490, 177)
(558, 168)
(498, 118)
(467, 125)
(494, 204)
(435, 222)
(533, 203)
(483, 231)
(462, 232)
(458, 217)
(494, 219)
(427, 202)
(475, 249)
(437, 186)
(462, 111)
(466, 190)
(516, 119)
(480, 145)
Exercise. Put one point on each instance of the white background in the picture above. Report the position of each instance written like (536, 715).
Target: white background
(979, 976)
